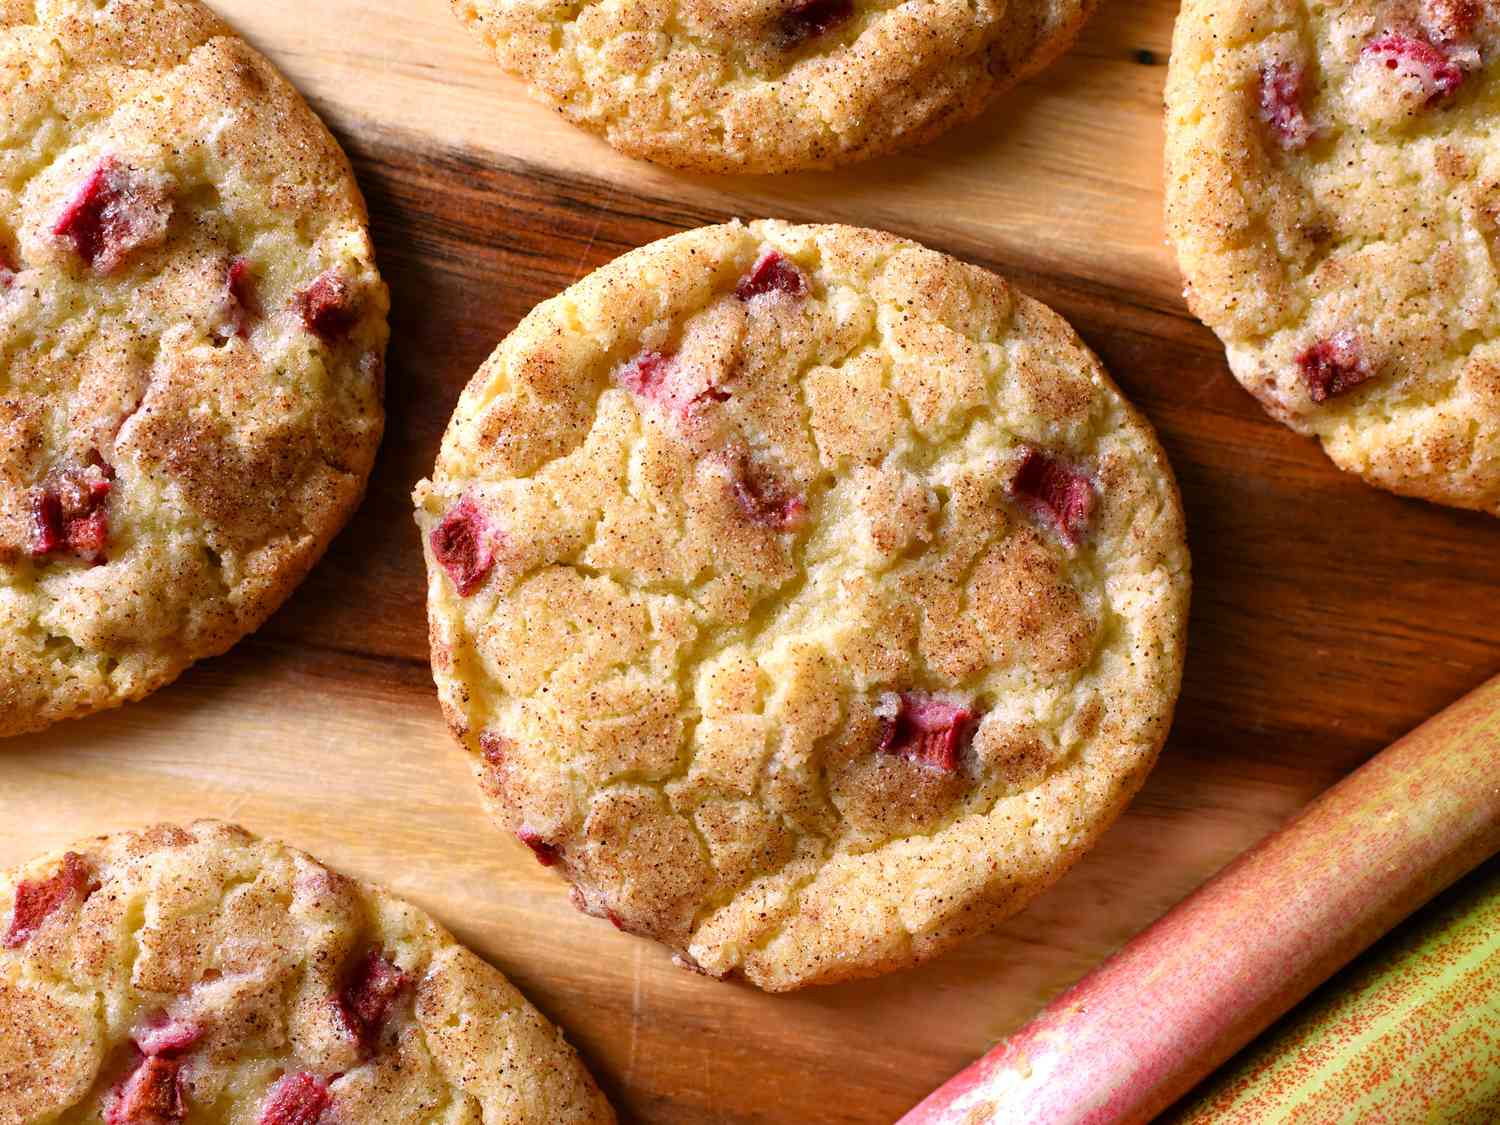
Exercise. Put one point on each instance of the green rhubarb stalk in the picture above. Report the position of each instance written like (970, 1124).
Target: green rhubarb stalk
(1411, 1034)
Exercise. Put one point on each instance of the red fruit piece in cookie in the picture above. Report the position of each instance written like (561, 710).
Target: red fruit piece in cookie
(241, 303)
(1055, 493)
(150, 1095)
(296, 1099)
(38, 899)
(764, 500)
(1334, 366)
(658, 378)
(70, 511)
(366, 1000)
(7, 270)
(924, 728)
(546, 854)
(464, 546)
(1415, 58)
(160, 1034)
(328, 306)
(807, 19)
(1282, 88)
(772, 273)
(117, 211)
(646, 375)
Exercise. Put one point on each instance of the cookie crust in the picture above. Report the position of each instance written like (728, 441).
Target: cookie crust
(241, 967)
(186, 419)
(771, 85)
(1332, 190)
(810, 599)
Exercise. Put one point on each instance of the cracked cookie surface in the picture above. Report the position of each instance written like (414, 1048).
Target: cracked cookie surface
(192, 332)
(808, 598)
(1333, 186)
(202, 975)
(771, 85)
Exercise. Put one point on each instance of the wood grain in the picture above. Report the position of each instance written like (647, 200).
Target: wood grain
(1328, 618)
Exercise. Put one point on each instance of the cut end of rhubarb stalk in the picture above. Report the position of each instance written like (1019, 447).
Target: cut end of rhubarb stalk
(464, 546)
(1055, 493)
(923, 728)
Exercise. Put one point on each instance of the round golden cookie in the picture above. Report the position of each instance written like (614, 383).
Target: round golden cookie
(1332, 192)
(771, 85)
(191, 338)
(175, 975)
(808, 598)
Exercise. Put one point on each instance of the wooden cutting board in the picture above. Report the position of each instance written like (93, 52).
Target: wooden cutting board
(1328, 618)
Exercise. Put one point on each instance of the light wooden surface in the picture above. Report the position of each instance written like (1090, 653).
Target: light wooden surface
(1328, 618)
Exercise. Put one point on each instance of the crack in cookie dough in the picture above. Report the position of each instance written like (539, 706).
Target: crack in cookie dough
(1332, 192)
(771, 85)
(168, 205)
(237, 980)
(752, 621)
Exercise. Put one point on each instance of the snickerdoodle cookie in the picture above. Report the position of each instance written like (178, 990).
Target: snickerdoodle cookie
(191, 338)
(808, 598)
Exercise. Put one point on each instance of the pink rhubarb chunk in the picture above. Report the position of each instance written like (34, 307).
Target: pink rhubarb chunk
(924, 728)
(296, 1099)
(658, 378)
(162, 1035)
(807, 19)
(1055, 493)
(763, 499)
(70, 511)
(117, 211)
(150, 1095)
(241, 303)
(1334, 366)
(38, 899)
(1438, 74)
(464, 546)
(328, 307)
(546, 854)
(366, 1000)
(772, 273)
(1281, 95)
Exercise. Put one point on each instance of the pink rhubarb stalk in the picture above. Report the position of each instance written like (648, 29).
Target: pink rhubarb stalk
(1138, 1032)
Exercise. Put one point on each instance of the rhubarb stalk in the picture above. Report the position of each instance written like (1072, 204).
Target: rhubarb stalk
(1138, 1032)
